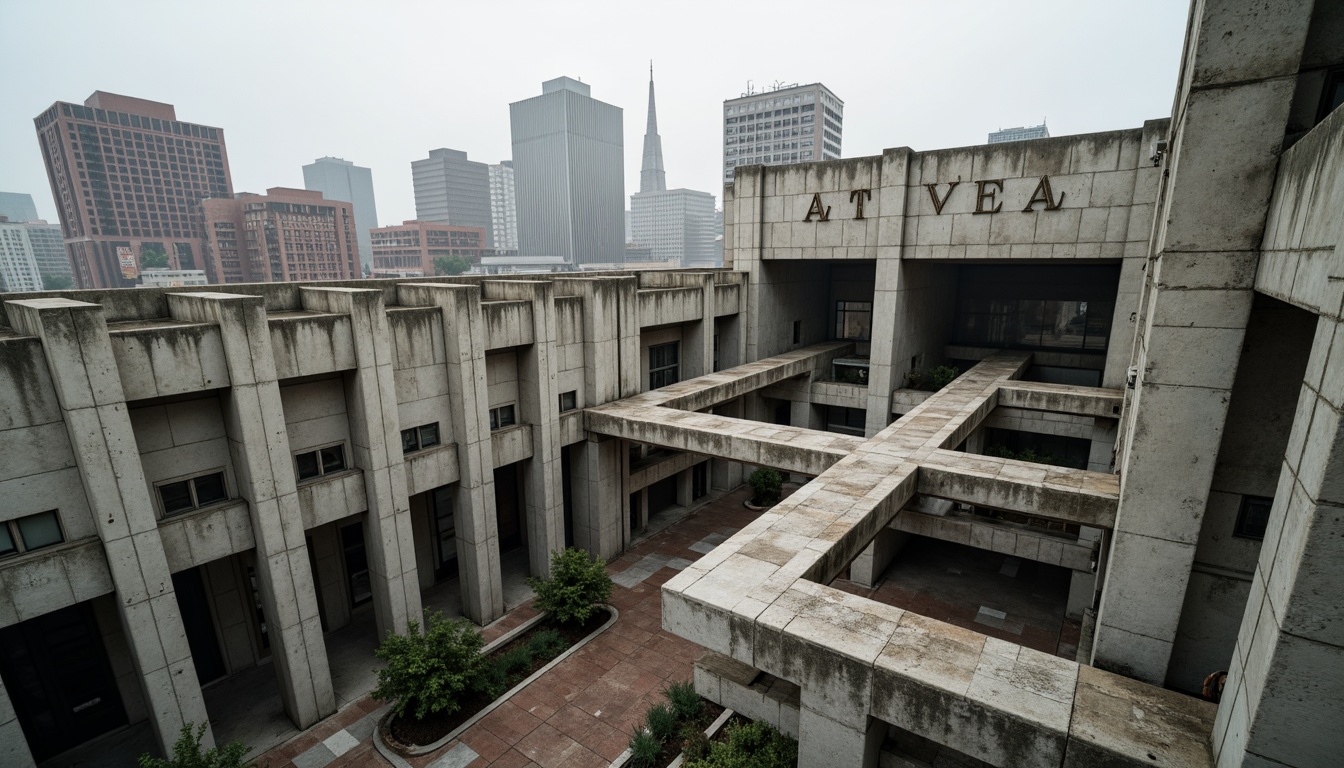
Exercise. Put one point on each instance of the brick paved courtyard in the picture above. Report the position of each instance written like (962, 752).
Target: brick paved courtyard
(584, 710)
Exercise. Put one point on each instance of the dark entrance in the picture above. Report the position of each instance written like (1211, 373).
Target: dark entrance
(508, 504)
(200, 625)
(663, 494)
(567, 495)
(59, 680)
(445, 533)
(700, 480)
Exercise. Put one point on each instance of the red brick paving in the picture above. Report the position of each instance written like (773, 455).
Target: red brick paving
(583, 711)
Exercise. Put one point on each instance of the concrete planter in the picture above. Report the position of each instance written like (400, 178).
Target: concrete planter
(395, 755)
(755, 508)
(710, 732)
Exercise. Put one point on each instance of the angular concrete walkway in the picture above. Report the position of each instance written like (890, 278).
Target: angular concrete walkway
(583, 711)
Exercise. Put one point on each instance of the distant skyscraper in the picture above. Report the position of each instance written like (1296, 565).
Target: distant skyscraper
(791, 124)
(569, 171)
(451, 189)
(504, 206)
(339, 179)
(676, 225)
(48, 248)
(1019, 134)
(18, 267)
(283, 235)
(17, 206)
(126, 174)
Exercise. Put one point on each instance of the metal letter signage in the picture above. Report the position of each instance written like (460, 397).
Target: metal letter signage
(1044, 195)
(933, 193)
(981, 195)
(861, 194)
(824, 213)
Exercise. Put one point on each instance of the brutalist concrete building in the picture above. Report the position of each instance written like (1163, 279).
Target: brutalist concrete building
(199, 483)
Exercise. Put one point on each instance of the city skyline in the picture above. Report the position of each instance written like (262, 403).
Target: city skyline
(1106, 83)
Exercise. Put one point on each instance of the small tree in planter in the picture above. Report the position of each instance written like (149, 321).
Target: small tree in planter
(578, 584)
(766, 485)
(431, 672)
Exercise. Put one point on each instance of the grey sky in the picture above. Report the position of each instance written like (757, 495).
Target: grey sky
(381, 83)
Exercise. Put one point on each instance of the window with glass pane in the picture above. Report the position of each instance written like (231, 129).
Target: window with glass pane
(429, 435)
(306, 465)
(502, 417)
(664, 368)
(209, 488)
(853, 320)
(176, 497)
(333, 459)
(41, 530)
(7, 545)
(409, 441)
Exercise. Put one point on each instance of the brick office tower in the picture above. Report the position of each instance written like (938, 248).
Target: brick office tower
(285, 234)
(125, 174)
(409, 249)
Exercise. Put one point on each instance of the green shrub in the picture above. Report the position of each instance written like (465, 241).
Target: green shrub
(943, 375)
(694, 743)
(576, 586)
(660, 722)
(686, 703)
(644, 749)
(1026, 454)
(430, 672)
(547, 644)
(187, 753)
(751, 745)
(766, 484)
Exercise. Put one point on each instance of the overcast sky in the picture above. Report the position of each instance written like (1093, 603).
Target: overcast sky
(381, 83)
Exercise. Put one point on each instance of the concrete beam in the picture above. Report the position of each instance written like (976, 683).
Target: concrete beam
(1040, 490)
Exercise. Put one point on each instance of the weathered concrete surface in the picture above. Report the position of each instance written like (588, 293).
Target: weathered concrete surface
(1062, 398)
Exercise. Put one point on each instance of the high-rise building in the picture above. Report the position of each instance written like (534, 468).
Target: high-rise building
(17, 206)
(503, 207)
(48, 248)
(339, 179)
(410, 248)
(125, 174)
(677, 226)
(786, 124)
(18, 266)
(1019, 134)
(283, 235)
(451, 189)
(569, 173)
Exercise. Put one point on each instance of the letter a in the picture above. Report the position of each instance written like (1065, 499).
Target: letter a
(1043, 194)
(823, 214)
(933, 193)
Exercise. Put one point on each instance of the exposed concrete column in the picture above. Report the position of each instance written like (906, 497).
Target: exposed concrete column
(1230, 112)
(375, 436)
(13, 744)
(93, 406)
(598, 495)
(723, 474)
(697, 339)
(254, 422)
(469, 424)
(873, 561)
(885, 368)
(1281, 702)
(825, 740)
(608, 331)
(537, 393)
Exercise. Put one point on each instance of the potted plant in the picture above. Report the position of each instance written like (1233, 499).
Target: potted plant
(766, 485)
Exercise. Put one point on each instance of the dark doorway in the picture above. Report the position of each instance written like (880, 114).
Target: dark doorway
(634, 513)
(59, 680)
(663, 494)
(700, 480)
(567, 495)
(200, 625)
(445, 533)
(356, 564)
(508, 504)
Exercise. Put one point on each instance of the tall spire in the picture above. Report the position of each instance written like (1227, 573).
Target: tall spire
(651, 175)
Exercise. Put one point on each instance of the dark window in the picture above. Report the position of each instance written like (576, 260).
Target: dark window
(853, 320)
(322, 461)
(664, 364)
(569, 400)
(1253, 517)
(416, 438)
(848, 421)
(192, 493)
(797, 331)
(1332, 95)
(31, 532)
(502, 416)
